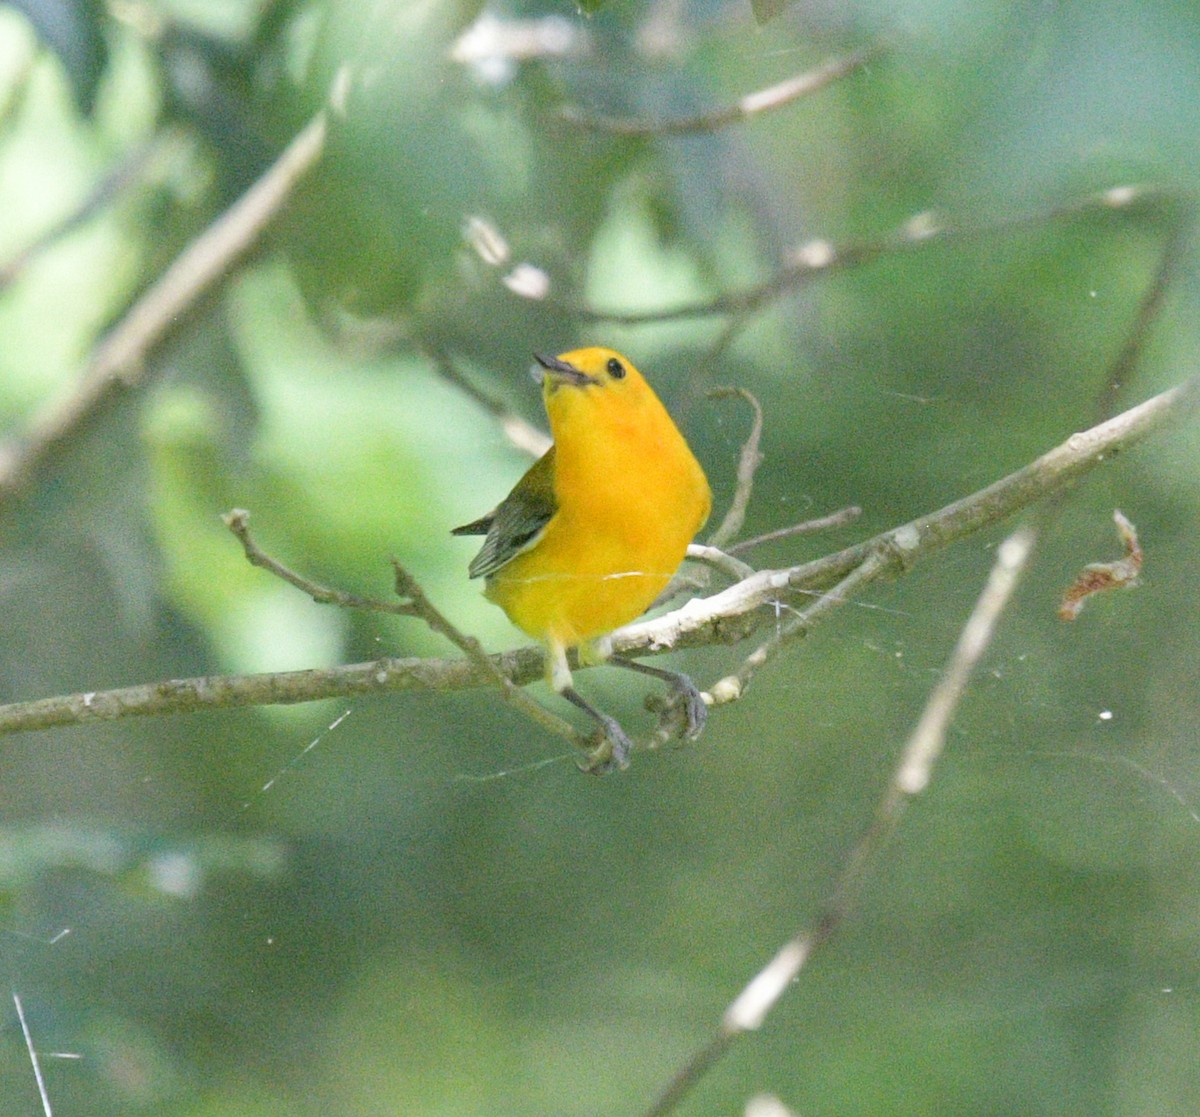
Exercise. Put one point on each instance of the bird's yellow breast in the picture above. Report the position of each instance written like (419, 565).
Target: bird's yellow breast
(631, 497)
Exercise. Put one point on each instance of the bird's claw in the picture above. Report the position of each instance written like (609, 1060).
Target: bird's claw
(682, 713)
(612, 750)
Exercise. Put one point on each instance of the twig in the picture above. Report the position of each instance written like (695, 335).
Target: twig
(748, 462)
(729, 615)
(773, 97)
(713, 554)
(839, 518)
(413, 603)
(817, 258)
(719, 560)
(1174, 252)
(733, 686)
(407, 586)
(238, 522)
(33, 1058)
(523, 435)
(120, 358)
(750, 1008)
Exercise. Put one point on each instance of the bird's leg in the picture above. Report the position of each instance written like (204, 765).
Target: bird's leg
(683, 690)
(558, 674)
(618, 740)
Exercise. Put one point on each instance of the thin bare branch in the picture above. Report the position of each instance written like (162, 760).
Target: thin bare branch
(1174, 252)
(719, 560)
(33, 1056)
(523, 435)
(748, 462)
(839, 518)
(817, 258)
(750, 1008)
(413, 603)
(408, 587)
(763, 100)
(798, 623)
(729, 615)
(238, 522)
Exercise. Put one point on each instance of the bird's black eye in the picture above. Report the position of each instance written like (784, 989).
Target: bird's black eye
(614, 368)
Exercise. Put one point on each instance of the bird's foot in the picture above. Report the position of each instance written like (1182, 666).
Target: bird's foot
(614, 746)
(612, 750)
(682, 712)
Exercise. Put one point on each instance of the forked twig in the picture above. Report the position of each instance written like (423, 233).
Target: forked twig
(238, 522)
(413, 603)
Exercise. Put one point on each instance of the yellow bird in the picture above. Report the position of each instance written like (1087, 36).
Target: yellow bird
(597, 527)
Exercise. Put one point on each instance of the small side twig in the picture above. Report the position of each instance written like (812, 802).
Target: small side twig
(523, 435)
(33, 1056)
(839, 518)
(408, 587)
(1174, 253)
(750, 1008)
(763, 100)
(238, 522)
(731, 687)
(748, 462)
(719, 560)
(413, 603)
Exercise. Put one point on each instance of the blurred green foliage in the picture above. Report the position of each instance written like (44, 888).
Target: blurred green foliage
(422, 907)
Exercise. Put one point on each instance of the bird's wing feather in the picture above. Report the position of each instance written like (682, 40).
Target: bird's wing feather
(517, 522)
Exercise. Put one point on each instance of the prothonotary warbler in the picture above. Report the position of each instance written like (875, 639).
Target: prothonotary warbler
(596, 528)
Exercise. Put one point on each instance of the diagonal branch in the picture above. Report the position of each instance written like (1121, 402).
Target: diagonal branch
(817, 258)
(120, 358)
(749, 1009)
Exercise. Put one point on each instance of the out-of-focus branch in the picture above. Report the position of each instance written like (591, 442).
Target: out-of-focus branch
(816, 258)
(763, 100)
(120, 358)
(117, 180)
(523, 435)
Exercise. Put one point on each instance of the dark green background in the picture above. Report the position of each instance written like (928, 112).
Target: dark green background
(422, 917)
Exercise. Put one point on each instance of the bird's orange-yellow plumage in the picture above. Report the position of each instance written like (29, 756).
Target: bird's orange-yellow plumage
(625, 497)
(595, 530)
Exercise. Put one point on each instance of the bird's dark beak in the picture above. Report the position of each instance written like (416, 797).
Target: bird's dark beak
(560, 372)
